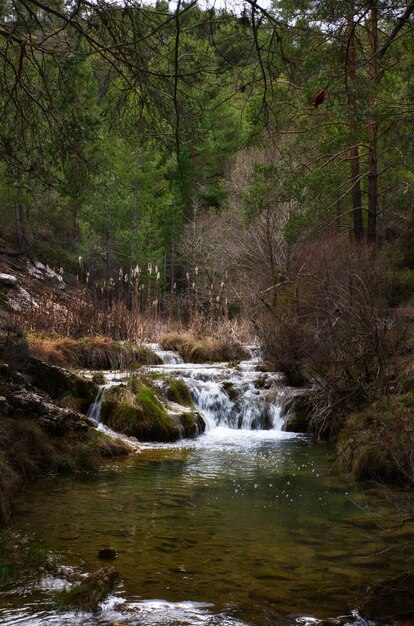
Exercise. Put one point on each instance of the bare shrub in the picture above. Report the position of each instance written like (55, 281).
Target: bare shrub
(329, 324)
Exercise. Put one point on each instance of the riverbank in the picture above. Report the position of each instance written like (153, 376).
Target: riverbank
(43, 424)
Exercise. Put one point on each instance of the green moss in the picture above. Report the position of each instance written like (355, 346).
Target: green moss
(192, 423)
(150, 404)
(138, 414)
(177, 391)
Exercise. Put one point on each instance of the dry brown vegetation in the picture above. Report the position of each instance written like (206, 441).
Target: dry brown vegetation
(378, 442)
(194, 349)
(90, 352)
(327, 323)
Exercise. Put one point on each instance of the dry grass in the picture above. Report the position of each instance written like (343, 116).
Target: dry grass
(83, 316)
(202, 350)
(378, 442)
(90, 352)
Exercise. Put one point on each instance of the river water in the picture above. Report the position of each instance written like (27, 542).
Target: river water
(240, 526)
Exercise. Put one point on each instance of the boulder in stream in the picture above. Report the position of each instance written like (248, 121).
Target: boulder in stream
(93, 589)
(136, 410)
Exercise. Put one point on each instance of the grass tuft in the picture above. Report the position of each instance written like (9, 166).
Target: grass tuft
(90, 352)
(206, 350)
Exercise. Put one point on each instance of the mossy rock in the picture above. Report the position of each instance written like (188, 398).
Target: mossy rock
(177, 391)
(193, 424)
(86, 595)
(139, 414)
(297, 414)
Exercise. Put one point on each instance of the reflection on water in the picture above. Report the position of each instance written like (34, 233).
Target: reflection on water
(235, 527)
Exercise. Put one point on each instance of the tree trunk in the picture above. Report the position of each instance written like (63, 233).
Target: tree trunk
(353, 132)
(373, 129)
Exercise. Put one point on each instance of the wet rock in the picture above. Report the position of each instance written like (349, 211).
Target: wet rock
(107, 554)
(193, 424)
(228, 388)
(29, 404)
(390, 599)
(8, 280)
(297, 414)
(92, 590)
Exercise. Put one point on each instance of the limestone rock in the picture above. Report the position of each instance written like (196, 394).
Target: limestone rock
(28, 404)
(59, 383)
(8, 280)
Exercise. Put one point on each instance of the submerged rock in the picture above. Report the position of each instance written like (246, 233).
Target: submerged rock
(390, 599)
(107, 554)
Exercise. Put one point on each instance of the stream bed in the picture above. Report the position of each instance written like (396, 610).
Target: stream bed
(237, 527)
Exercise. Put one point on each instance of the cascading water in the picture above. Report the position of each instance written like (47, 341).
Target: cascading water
(238, 397)
(94, 411)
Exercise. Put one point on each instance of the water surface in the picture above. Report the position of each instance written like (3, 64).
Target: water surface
(236, 527)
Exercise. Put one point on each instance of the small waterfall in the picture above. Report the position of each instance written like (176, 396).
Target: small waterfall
(94, 411)
(235, 397)
(232, 397)
(211, 401)
(168, 357)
